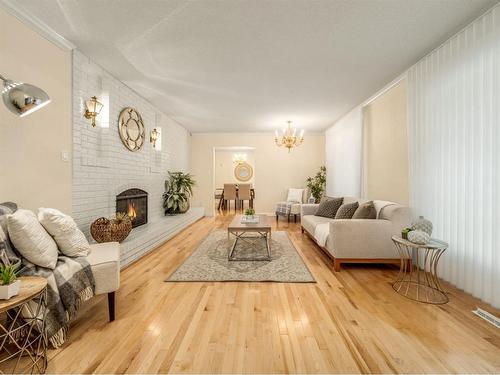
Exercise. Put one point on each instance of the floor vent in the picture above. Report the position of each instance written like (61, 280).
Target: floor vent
(490, 318)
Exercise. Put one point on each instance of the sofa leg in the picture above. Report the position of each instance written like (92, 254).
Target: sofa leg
(111, 306)
(276, 218)
(295, 218)
(336, 265)
(302, 230)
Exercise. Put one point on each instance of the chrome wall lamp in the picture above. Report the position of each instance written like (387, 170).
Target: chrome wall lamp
(23, 99)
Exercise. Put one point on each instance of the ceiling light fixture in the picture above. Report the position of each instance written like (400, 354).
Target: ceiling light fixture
(22, 98)
(289, 137)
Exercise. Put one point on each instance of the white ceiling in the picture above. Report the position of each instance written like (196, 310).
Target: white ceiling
(230, 65)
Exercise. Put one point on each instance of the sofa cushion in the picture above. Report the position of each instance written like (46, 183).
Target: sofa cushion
(347, 210)
(365, 211)
(104, 259)
(31, 239)
(329, 207)
(70, 240)
(309, 222)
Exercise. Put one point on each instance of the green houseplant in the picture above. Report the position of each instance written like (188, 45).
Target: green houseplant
(317, 184)
(9, 284)
(250, 212)
(178, 190)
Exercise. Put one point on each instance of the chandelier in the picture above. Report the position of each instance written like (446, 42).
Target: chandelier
(289, 137)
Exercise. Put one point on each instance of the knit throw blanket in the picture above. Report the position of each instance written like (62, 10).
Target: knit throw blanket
(69, 284)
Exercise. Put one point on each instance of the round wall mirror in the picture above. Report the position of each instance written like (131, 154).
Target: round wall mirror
(243, 172)
(131, 129)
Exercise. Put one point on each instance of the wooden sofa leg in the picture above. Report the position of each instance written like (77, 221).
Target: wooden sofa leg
(302, 229)
(111, 306)
(336, 265)
(295, 218)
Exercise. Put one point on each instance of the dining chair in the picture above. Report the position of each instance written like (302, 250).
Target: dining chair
(244, 194)
(219, 197)
(229, 195)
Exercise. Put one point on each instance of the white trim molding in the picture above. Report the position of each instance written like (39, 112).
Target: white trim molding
(34, 23)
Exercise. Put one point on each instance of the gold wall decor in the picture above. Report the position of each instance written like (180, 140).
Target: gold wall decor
(243, 172)
(131, 129)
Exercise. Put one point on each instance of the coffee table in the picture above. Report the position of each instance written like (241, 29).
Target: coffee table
(241, 233)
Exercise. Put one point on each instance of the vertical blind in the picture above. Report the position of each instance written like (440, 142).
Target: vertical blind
(454, 153)
(343, 155)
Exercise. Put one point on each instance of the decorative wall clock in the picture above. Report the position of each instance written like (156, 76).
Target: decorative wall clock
(243, 172)
(131, 129)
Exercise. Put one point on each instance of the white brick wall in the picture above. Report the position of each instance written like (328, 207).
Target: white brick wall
(102, 166)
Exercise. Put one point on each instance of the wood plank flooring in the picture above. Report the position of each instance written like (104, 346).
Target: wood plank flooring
(347, 322)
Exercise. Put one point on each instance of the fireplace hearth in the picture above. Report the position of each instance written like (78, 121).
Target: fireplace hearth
(133, 202)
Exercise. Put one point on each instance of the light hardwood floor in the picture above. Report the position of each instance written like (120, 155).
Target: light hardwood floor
(350, 321)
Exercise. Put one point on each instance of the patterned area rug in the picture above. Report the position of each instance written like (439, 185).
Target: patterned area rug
(209, 261)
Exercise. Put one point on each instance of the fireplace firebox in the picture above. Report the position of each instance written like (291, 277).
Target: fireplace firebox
(133, 202)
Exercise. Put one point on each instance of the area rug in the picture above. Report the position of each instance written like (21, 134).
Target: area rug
(209, 261)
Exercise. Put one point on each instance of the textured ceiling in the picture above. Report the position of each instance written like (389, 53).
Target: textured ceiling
(251, 65)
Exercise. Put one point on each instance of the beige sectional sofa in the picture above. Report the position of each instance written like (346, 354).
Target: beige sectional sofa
(357, 240)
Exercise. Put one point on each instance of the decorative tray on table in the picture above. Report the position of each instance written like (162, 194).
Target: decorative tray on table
(249, 219)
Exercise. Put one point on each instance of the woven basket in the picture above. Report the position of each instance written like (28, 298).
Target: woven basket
(106, 230)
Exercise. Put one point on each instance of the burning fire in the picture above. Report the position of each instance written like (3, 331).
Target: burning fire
(132, 214)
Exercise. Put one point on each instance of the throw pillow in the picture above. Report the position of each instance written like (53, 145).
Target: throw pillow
(347, 210)
(329, 208)
(295, 195)
(365, 211)
(31, 239)
(70, 240)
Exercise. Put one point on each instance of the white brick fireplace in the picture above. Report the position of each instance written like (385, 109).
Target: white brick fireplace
(103, 167)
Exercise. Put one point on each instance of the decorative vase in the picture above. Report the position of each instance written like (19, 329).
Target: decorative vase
(10, 290)
(418, 237)
(311, 199)
(423, 225)
(184, 208)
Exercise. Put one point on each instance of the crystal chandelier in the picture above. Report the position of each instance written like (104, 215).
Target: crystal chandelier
(289, 137)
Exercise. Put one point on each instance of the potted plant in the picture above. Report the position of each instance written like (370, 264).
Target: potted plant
(317, 184)
(404, 233)
(178, 190)
(9, 284)
(249, 213)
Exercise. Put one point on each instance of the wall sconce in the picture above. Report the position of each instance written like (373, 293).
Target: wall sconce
(239, 158)
(153, 137)
(92, 109)
(22, 98)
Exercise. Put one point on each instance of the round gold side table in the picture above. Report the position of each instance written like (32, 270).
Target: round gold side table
(23, 338)
(419, 281)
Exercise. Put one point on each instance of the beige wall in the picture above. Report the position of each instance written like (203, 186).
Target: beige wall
(224, 166)
(275, 169)
(385, 146)
(31, 170)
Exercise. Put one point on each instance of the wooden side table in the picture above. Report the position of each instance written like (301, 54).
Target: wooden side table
(23, 338)
(420, 281)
